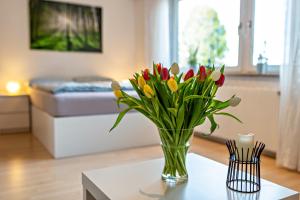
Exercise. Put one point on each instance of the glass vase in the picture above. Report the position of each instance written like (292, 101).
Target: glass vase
(175, 144)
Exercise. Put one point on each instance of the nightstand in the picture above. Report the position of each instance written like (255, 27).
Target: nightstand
(14, 113)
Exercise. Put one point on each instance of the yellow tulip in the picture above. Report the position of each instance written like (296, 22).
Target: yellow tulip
(172, 84)
(118, 93)
(141, 82)
(148, 91)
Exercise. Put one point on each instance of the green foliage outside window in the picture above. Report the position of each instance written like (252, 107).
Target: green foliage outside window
(204, 37)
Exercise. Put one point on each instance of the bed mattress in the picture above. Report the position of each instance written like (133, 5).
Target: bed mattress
(75, 103)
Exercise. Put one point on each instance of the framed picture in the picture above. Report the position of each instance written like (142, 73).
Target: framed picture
(65, 27)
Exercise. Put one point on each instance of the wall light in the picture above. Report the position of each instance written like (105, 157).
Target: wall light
(13, 87)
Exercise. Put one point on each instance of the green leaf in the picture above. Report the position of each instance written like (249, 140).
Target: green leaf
(164, 116)
(229, 115)
(222, 69)
(196, 97)
(135, 87)
(179, 78)
(118, 102)
(148, 115)
(162, 95)
(185, 83)
(180, 116)
(136, 75)
(213, 124)
(201, 121)
(219, 105)
(120, 117)
(155, 106)
(173, 111)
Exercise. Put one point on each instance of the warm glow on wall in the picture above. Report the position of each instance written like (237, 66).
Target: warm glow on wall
(13, 87)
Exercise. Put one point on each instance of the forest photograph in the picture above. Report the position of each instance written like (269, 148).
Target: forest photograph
(65, 27)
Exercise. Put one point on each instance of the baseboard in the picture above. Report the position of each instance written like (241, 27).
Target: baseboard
(14, 131)
(213, 138)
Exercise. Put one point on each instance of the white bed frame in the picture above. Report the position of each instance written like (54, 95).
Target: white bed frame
(70, 136)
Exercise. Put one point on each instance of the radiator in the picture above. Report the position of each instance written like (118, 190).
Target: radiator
(258, 110)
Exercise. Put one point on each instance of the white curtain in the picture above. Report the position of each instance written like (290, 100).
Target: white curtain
(157, 32)
(288, 154)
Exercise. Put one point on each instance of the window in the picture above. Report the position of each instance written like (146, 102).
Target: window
(239, 34)
(268, 32)
(207, 34)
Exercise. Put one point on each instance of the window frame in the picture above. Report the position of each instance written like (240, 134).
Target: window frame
(246, 36)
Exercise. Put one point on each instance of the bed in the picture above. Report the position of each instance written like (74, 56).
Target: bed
(70, 122)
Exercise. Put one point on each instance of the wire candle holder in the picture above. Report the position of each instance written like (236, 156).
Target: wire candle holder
(244, 167)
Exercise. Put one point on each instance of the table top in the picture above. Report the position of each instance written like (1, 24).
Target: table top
(142, 181)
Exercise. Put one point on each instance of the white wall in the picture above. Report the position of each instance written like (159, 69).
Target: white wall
(19, 62)
(140, 33)
(258, 110)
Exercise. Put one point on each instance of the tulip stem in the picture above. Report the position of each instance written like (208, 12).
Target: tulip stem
(175, 154)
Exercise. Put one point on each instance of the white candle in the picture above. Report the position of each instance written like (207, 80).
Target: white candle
(245, 142)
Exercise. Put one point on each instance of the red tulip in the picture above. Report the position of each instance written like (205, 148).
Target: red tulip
(189, 74)
(146, 74)
(202, 73)
(221, 80)
(164, 74)
(158, 67)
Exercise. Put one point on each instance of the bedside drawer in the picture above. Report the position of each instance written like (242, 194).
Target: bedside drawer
(14, 104)
(14, 121)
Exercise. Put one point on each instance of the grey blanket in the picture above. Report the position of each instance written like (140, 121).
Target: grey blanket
(57, 87)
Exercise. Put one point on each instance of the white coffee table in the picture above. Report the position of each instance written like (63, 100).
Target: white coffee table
(141, 181)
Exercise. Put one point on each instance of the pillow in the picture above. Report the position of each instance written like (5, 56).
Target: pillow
(48, 80)
(91, 79)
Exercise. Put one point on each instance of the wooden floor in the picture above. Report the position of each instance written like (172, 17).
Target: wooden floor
(27, 171)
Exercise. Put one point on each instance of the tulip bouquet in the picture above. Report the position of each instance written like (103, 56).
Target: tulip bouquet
(176, 103)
